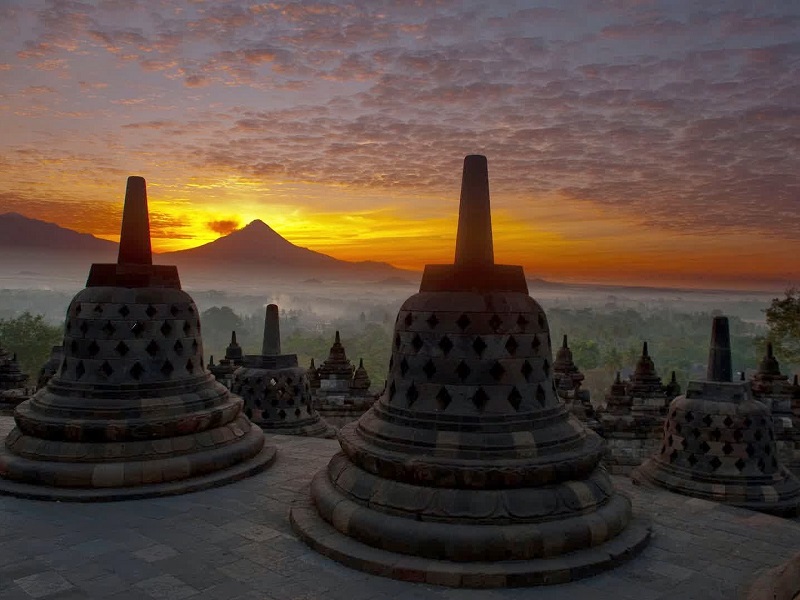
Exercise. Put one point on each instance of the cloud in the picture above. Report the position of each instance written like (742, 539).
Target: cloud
(694, 133)
(223, 226)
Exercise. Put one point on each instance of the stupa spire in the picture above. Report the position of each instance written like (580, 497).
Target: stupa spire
(474, 246)
(134, 239)
(719, 352)
(271, 345)
(644, 349)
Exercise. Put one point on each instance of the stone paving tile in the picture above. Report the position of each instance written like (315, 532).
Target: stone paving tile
(166, 587)
(43, 585)
(156, 552)
(236, 542)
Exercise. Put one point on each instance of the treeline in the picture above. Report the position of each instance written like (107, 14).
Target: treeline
(602, 340)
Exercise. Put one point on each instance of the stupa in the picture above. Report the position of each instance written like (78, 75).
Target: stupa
(225, 368)
(11, 377)
(313, 377)
(335, 375)
(719, 442)
(469, 470)
(131, 412)
(633, 419)
(276, 391)
(50, 367)
(13, 389)
(341, 393)
(772, 388)
(361, 382)
(568, 380)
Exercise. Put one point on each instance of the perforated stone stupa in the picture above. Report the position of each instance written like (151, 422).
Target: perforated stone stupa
(131, 411)
(469, 470)
(276, 391)
(719, 442)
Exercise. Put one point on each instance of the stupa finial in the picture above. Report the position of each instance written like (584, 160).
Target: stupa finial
(644, 349)
(336, 339)
(134, 239)
(719, 352)
(233, 338)
(564, 344)
(272, 332)
(474, 245)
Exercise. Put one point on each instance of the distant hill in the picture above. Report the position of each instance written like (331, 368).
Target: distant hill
(258, 249)
(20, 232)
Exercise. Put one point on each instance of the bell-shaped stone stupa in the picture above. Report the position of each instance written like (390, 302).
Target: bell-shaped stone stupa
(469, 471)
(131, 411)
(719, 442)
(277, 392)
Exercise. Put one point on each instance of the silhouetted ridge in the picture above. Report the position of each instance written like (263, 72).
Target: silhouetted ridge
(19, 231)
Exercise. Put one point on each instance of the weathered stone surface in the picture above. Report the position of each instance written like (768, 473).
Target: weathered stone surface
(276, 392)
(469, 456)
(719, 442)
(236, 542)
(131, 411)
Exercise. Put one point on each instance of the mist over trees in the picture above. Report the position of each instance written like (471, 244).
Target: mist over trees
(32, 338)
(605, 330)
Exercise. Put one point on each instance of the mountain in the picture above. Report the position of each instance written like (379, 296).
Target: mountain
(20, 232)
(38, 250)
(259, 249)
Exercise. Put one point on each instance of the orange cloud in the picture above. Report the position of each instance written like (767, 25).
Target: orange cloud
(224, 226)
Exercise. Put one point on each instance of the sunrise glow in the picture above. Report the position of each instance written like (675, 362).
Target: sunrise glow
(639, 144)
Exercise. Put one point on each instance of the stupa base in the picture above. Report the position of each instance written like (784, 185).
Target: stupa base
(323, 537)
(246, 468)
(781, 498)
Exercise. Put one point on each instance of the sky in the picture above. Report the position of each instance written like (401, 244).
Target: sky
(629, 141)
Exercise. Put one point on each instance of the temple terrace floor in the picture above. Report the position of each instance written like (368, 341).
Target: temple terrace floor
(236, 542)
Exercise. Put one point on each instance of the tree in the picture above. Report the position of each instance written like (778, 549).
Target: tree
(783, 320)
(31, 338)
(585, 353)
